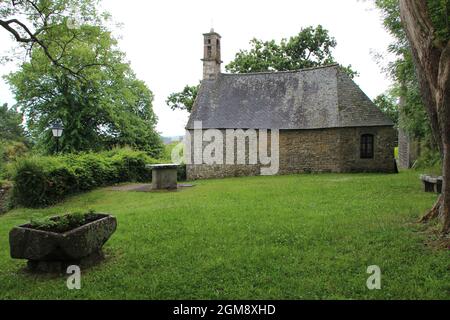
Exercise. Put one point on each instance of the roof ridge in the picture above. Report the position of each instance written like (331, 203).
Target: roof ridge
(277, 72)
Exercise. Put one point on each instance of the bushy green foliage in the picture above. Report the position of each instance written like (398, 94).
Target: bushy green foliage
(311, 47)
(13, 140)
(11, 124)
(42, 181)
(63, 223)
(167, 157)
(183, 100)
(92, 89)
(9, 152)
(387, 103)
(430, 161)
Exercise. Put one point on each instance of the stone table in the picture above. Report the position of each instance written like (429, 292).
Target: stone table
(432, 184)
(164, 176)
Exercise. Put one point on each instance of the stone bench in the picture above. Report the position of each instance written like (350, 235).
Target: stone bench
(164, 176)
(431, 184)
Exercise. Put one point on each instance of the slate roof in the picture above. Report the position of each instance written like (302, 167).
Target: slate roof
(316, 98)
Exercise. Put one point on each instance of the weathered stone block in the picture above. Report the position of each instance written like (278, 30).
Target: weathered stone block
(164, 176)
(37, 245)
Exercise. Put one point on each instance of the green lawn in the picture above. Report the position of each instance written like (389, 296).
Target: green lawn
(289, 237)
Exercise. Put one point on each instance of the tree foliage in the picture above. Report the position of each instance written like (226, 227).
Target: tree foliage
(92, 90)
(387, 103)
(10, 124)
(183, 100)
(13, 139)
(39, 23)
(312, 47)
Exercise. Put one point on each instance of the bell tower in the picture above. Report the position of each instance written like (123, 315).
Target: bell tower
(211, 55)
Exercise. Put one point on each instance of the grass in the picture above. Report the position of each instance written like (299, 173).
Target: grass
(288, 237)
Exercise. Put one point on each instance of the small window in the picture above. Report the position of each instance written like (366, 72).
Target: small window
(367, 146)
(218, 43)
(209, 41)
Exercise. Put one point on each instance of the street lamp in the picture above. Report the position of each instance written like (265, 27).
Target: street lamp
(57, 130)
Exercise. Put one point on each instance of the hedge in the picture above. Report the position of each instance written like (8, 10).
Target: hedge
(43, 181)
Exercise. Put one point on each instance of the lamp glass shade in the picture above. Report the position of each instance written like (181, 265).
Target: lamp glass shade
(57, 132)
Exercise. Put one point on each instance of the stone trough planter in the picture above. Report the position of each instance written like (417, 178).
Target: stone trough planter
(48, 251)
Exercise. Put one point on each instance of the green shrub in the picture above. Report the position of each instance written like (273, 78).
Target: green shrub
(43, 181)
(430, 162)
(32, 180)
(9, 152)
(131, 166)
(63, 223)
(167, 157)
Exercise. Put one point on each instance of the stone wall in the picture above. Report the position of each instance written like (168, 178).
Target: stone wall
(5, 197)
(408, 150)
(384, 145)
(323, 150)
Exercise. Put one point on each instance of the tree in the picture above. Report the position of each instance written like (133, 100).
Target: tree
(387, 103)
(183, 100)
(312, 47)
(427, 28)
(32, 24)
(412, 115)
(13, 139)
(10, 124)
(95, 94)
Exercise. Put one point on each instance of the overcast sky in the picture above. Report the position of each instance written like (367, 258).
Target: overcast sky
(164, 42)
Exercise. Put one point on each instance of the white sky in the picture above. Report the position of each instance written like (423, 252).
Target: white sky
(164, 42)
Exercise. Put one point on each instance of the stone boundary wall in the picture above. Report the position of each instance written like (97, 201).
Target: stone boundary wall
(5, 197)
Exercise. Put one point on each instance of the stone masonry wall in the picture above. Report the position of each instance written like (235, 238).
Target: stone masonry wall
(323, 150)
(385, 141)
(5, 197)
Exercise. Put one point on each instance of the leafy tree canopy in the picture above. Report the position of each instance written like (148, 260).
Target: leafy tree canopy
(310, 48)
(183, 100)
(92, 90)
(387, 103)
(10, 124)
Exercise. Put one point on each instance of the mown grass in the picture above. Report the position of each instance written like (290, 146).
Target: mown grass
(288, 237)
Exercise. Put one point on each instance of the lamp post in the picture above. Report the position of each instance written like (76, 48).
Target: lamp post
(57, 130)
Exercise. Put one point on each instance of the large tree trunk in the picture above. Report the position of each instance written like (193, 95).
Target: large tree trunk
(432, 62)
(443, 104)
